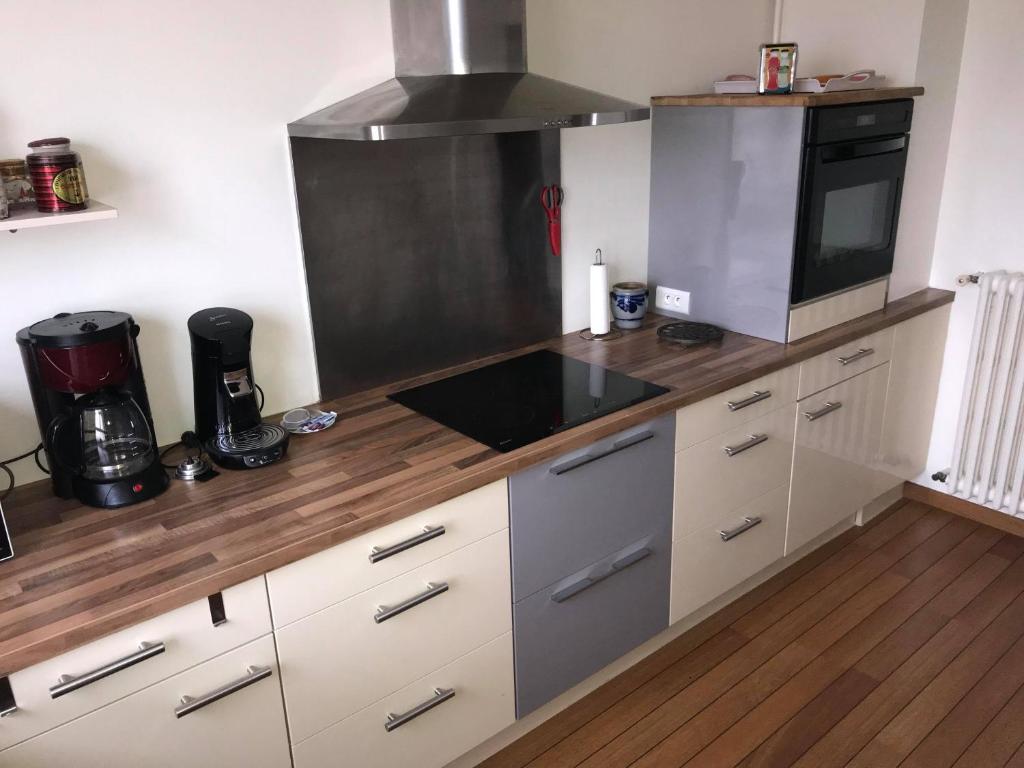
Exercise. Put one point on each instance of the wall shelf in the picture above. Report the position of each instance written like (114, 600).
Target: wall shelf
(32, 218)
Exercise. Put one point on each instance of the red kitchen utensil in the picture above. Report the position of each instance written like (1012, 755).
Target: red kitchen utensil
(551, 198)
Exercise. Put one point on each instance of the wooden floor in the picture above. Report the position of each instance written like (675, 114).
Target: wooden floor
(900, 643)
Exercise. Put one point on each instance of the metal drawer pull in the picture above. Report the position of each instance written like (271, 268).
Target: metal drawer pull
(433, 590)
(68, 683)
(860, 354)
(746, 525)
(383, 553)
(823, 411)
(732, 450)
(441, 695)
(252, 675)
(587, 582)
(619, 445)
(757, 397)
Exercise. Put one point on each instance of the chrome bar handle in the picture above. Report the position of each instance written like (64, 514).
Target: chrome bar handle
(441, 695)
(746, 525)
(588, 581)
(190, 704)
(68, 683)
(383, 553)
(733, 450)
(619, 445)
(860, 354)
(433, 590)
(825, 410)
(757, 397)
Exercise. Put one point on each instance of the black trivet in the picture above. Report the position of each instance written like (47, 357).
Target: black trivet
(688, 333)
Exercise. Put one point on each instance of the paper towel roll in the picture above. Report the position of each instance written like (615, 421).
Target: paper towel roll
(599, 322)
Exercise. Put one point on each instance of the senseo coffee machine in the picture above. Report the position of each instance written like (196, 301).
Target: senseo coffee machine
(85, 377)
(228, 421)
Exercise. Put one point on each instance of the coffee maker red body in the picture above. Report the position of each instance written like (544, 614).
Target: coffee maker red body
(89, 394)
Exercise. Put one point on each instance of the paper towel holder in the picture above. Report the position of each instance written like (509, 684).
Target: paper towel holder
(586, 333)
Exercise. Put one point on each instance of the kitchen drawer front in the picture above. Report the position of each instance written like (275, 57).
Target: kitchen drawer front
(565, 519)
(704, 565)
(188, 636)
(710, 483)
(829, 368)
(328, 577)
(243, 728)
(339, 660)
(835, 459)
(481, 705)
(563, 635)
(696, 423)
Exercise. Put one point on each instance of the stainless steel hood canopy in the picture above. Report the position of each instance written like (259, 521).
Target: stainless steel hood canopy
(461, 69)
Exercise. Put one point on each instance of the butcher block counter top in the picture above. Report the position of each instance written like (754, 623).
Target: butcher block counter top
(80, 573)
(786, 99)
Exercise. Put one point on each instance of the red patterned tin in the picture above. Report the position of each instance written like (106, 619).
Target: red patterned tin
(58, 178)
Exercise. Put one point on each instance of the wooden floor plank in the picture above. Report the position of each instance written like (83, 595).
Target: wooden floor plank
(1003, 736)
(899, 644)
(1002, 600)
(955, 732)
(819, 715)
(907, 729)
(688, 702)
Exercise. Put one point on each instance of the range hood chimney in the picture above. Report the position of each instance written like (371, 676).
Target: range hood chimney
(460, 68)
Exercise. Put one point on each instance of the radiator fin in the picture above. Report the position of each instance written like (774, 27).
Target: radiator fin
(988, 455)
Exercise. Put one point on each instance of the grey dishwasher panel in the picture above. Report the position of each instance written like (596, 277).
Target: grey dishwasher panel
(561, 523)
(558, 644)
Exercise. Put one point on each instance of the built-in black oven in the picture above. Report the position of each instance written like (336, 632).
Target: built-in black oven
(853, 167)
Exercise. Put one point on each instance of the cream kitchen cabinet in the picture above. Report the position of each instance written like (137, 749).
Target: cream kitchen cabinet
(225, 712)
(918, 348)
(428, 723)
(838, 439)
(92, 676)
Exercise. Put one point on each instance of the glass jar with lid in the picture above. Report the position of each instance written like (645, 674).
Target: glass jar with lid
(17, 184)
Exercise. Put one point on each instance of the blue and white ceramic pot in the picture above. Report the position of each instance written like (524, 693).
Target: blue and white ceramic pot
(629, 304)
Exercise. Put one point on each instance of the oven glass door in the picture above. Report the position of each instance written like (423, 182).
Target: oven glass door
(849, 209)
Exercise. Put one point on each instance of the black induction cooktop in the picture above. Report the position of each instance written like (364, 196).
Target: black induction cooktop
(516, 402)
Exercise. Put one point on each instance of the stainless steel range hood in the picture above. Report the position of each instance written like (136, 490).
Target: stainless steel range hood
(460, 69)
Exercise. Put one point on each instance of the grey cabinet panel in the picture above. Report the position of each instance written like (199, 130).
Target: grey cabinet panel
(567, 514)
(585, 621)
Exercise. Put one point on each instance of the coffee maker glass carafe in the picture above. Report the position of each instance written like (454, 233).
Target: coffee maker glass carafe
(115, 436)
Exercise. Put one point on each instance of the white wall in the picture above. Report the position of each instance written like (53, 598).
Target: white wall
(633, 50)
(980, 222)
(179, 110)
(838, 36)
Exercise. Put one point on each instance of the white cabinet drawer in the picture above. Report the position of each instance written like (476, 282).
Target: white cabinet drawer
(836, 454)
(481, 704)
(244, 727)
(335, 574)
(705, 566)
(339, 660)
(187, 635)
(845, 362)
(721, 413)
(710, 483)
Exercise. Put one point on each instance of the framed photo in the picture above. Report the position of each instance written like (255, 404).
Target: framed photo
(777, 70)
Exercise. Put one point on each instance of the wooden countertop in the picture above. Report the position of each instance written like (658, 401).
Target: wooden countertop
(786, 100)
(80, 573)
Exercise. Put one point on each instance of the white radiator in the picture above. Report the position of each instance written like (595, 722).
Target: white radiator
(988, 457)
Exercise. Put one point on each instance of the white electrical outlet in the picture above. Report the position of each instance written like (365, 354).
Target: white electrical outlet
(672, 300)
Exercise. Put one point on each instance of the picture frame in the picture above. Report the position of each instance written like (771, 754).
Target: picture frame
(776, 71)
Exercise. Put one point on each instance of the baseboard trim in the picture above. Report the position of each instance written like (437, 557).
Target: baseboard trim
(957, 506)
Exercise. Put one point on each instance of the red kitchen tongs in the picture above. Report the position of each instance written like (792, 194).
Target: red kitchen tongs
(551, 198)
